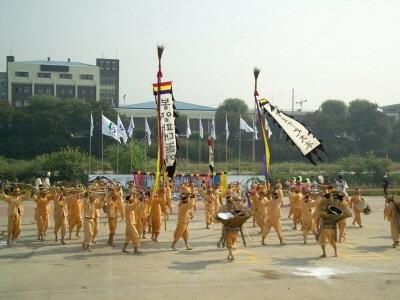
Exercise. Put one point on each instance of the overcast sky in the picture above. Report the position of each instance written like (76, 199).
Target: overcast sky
(324, 49)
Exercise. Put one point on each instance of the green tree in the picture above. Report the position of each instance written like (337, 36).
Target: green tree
(368, 127)
(49, 124)
(130, 157)
(68, 164)
(332, 130)
(334, 107)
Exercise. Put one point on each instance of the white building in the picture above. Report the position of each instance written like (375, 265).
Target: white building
(63, 79)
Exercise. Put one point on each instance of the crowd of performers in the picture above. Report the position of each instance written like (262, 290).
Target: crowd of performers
(316, 208)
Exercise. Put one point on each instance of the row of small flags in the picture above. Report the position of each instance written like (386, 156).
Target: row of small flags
(243, 126)
(179, 174)
(118, 132)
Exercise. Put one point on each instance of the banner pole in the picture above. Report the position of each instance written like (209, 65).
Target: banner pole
(240, 140)
(90, 140)
(102, 144)
(117, 157)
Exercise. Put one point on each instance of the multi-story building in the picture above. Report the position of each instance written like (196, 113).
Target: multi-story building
(109, 80)
(3, 86)
(63, 79)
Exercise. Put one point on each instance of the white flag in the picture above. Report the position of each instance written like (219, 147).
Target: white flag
(147, 131)
(201, 132)
(131, 127)
(244, 126)
(91, 125)
(121, 130)
(255, 129)
(109, 128)
(188, 131)
(213, 135)
(226, 128)
(267, 128)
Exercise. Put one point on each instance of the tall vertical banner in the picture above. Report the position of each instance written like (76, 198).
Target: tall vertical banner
(168, 133)
(167, 142)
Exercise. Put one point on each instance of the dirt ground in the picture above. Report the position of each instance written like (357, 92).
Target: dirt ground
(367, 266)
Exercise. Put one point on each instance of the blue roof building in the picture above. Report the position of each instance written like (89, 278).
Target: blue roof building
(148, 109)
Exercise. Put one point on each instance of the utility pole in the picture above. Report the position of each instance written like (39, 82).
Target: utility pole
(292, 101)
(301, 104)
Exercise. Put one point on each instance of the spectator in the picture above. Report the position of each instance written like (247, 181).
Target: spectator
(341, 185)
(38, 182)
(385, 184)
(46, 181)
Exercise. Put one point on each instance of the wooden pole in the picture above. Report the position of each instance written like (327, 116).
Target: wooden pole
(240, 141)
(102, 144)
(253, 152)
(117, 157)
(226, 145)
(90, 140)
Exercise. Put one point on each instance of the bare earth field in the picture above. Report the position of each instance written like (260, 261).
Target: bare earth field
(367, 266)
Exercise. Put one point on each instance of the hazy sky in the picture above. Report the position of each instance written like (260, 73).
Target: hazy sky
(324, 49)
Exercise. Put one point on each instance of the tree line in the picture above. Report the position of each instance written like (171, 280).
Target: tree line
(50, 125)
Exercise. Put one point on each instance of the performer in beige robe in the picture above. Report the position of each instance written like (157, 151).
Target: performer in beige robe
(353, 204)
(290, 198)
(342, 224)
(41, 211)
(297, 199)
(307, 220)
(273, 216)
(60, 215)
(15, 212)
(168, 196)
(392, 215)
(216, 194)
(184, 214)
(75, 208)
(90, 206)
(112, 214)
(131, 233)
(139, 207)
(254, 202)
(209, 200)
(262, 209)
(156, 201)
(231, 236)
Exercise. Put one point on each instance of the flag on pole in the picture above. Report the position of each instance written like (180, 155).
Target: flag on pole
(131, 127)
(268, 128)
(213, 135)
(188, 131)
(91, 125)
(255, 132)
(164, 87)
(147, 131)
(210, 155)
(121, 130)
(109, 128)
(201, 132)
(226, 128)
(244, 126)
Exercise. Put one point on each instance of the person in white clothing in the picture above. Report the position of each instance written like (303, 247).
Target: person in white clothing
(46, 182)
(341, 185)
